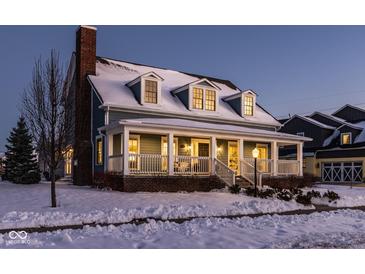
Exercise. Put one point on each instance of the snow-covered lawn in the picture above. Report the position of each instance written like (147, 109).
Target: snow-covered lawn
(28, 205)
(349, 197)
(335, 229)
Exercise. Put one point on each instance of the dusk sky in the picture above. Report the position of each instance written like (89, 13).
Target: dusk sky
(293, 69)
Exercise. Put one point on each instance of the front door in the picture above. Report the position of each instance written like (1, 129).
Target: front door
(68, 162)
(233, 155)
(201, 148)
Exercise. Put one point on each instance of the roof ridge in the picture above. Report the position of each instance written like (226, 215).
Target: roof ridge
(219, 80)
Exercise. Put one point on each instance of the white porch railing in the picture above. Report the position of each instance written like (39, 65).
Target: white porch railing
(248, 172)
(288, 167)
(263, 165)
(115, 163)
(191, 165)
(147, 163)
(224, 172)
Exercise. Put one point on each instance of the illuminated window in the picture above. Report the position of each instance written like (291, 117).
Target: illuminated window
(198, 98)
(99, 151)
(346, 138)
(150, 92)
(210, 99)
(248, 106)
(133, 150)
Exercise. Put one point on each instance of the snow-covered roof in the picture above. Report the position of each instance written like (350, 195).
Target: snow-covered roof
(112, 76)
(361, 137)
(203, 126)
(310, 120)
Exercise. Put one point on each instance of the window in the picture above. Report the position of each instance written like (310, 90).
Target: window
(210, 100)
(198, 98)
(150, 92)
(300, 134)
(248, 106)
(346, 138)
(99, 151)
(133, 149)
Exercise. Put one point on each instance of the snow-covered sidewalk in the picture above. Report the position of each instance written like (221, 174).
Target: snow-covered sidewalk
(28, 205)
(335, 229)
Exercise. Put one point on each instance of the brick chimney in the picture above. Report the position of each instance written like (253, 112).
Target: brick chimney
(85, 65)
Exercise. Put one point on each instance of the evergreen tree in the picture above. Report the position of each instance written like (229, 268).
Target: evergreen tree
(21, 165)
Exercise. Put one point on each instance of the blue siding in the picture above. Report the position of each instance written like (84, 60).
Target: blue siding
(136, 88)
(184, 97)
(98, 121)
(236, 104)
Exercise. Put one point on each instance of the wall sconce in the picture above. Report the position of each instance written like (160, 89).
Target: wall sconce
(219, 150)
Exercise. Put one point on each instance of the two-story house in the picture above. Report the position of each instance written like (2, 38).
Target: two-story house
(157, 127)
(337, 151)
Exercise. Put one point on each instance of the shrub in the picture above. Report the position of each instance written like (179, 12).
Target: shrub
(296, 191)
(331, 195)
(304, 199)
(266, 193)
(250, 191)
(234, 189)
(284, 195)
(47, 176)
(314, 194)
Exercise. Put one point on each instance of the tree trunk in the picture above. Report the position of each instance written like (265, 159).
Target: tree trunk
(53, 189)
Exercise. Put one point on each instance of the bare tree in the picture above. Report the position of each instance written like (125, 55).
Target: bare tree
(44, 105)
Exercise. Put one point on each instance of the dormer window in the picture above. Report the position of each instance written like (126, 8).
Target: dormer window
(346, 138)
(147, 88)
(198, 98)
(150, 91)
(248, 105)
(199, 95)
(210, 100)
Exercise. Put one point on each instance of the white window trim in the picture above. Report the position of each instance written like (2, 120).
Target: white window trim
(204, 88)
(250, 94)
(143, 79)
(99, 137)
(350, 134)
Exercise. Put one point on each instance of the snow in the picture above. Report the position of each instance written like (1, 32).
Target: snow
(111, 79)
(349, 197)
(361, 137)
(330, 138)
(28, 205)
(336, 229)
(181, 123)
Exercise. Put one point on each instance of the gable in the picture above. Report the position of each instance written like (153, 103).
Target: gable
(325, 120)
(350, 114)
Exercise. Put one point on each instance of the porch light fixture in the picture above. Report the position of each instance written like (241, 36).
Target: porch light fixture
(255, 155)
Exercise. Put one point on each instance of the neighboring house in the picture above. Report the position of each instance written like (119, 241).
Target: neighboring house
(337, 151)
(154, 126)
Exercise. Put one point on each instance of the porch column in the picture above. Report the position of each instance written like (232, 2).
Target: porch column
(242, 153)
(108, 149)
(126, 151)
(300, 157)
(170, 153)
(274, 158)
(213, 153)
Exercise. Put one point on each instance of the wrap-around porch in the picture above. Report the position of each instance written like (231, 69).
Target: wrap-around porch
(161, 152)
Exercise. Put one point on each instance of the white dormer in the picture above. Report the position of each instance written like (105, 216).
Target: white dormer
(248, 103)
(201, 95)
(147, 88)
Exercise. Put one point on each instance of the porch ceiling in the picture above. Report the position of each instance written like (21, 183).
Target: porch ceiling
(195, 126)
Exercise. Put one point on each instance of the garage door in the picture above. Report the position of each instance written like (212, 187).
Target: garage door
(341, 172)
